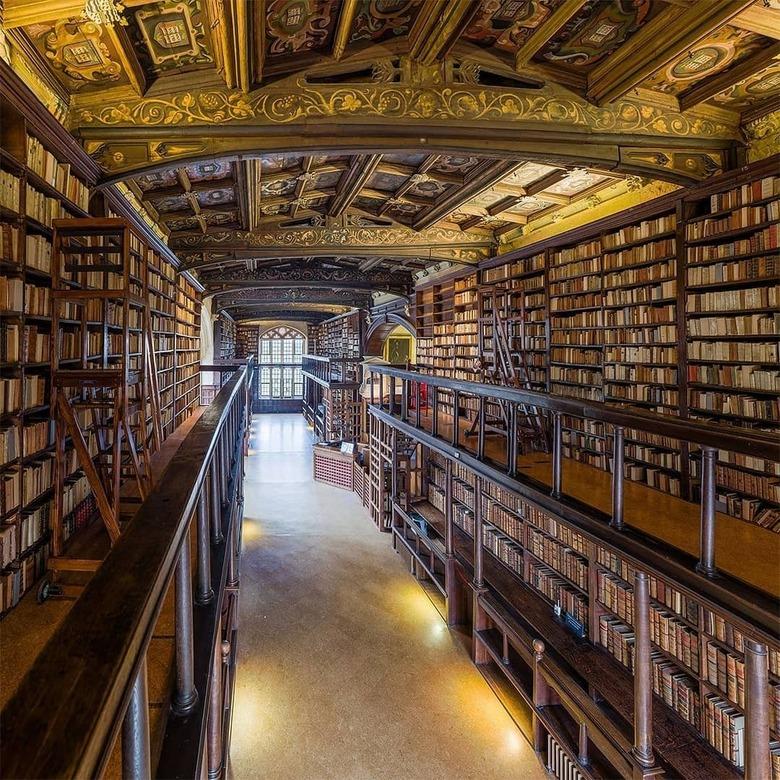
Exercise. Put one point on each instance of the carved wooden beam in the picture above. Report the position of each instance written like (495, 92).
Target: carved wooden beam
(256, 25)
(492, 174)
(352, 181)
(438, 26)
(20, 13)
(242, 193)
(186, 184)
(397, 169)
(221, 33)
(344, 27)
(127, 57)
(760, 19)
(242, 47)
(283, 200)
(727, 78)
(546, 31)
(670, 34)
(304, 178)
(420, 174)
(195, 186)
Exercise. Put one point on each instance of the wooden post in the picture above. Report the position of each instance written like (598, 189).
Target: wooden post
(185, 696)
(455, 417)
(417, 403)
(450, 577)
(539, 694)
(757, 760)
(643, 682)
(481, 429)
(706, 564)
(557, 455)
(136, 753)
(618, 454)
(435, 411)
(204, 593)
(582, 746)
(214, 730)
(479, 581)
(216, 508)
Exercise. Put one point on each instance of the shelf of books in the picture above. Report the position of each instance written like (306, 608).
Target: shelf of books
(162, 311)
(341, 336)
(732, 319)
(225, 338)
(674, 310)
(247, 341)
(186, 390)
(38, 185)
(697, 654)
(641, 356)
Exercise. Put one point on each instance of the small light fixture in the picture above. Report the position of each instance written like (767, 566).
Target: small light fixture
(104, 12)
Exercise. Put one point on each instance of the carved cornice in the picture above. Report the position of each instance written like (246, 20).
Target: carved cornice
(241, 299)
(272, 105)
(435, 244)
(309, 275)
(763, 136)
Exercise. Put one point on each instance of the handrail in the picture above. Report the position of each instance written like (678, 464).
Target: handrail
(396, 408)
(64, 717)
(722, 436)
(332, 359)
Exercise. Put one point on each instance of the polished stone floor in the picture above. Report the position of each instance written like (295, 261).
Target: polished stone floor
(346, 669)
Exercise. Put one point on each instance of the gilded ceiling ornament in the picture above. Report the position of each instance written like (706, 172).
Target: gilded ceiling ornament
(763, 136)
(173, 35)
(77, 50)
(400, 102)
(468, 247)
(634, 183)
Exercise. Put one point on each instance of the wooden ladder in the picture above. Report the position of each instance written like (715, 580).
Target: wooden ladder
(110, 393)
(531, 428)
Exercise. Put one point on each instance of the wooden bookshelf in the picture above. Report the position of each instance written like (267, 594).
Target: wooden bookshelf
(671, 307)
(42, 180)
(586, 587)
(732, 300)
(186, 391)
(225, 330)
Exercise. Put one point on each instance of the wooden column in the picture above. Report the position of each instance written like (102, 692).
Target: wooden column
(757, 761)
(643, 680)
(214, 733)
(185, 695)
(136, 754)
(618, 446)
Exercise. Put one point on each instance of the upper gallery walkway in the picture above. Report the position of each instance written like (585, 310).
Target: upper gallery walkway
(740, 549)
(345, 668)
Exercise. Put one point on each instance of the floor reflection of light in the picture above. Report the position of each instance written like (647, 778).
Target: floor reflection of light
(251, 531)
(513, 741)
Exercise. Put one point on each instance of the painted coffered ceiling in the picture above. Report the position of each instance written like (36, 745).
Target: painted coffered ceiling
(314, 143)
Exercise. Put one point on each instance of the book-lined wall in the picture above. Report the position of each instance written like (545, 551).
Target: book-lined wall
(224, 337)
(38, 184)
(186, 390)
(673, 310)
(246, 341)
(340, 336)
(697, 653)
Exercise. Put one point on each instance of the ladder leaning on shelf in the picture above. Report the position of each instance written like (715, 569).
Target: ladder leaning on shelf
(493, 323)
(99, 285)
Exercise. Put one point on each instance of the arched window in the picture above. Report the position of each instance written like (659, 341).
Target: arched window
(280, 351)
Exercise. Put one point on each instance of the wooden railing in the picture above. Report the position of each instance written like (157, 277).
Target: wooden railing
(332, 371)
(89, 683)
(397, 399)
(399, 393)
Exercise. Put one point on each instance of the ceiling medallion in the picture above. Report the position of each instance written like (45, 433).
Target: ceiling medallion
(105, 12)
